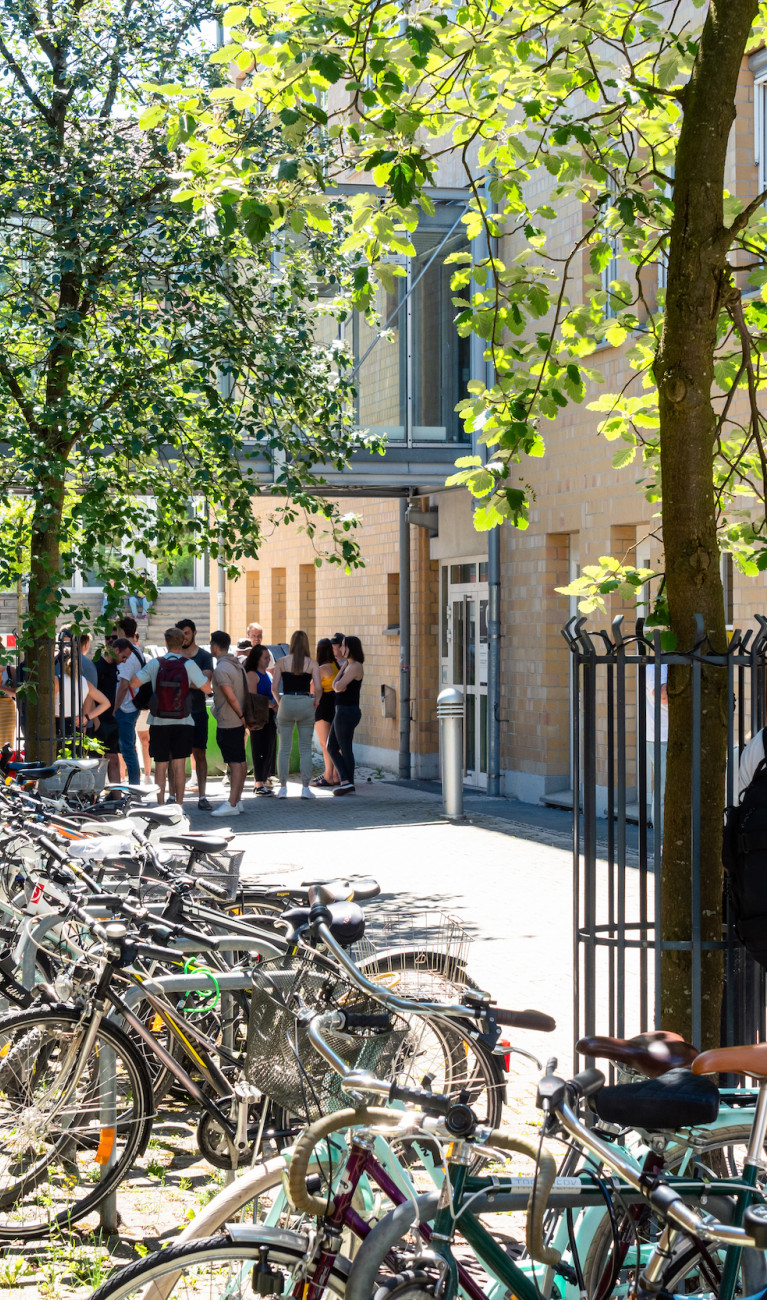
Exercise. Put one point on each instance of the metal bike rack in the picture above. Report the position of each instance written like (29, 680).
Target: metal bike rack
(616, 888)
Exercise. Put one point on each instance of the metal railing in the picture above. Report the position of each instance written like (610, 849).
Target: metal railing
(617, 719)
(61, 728)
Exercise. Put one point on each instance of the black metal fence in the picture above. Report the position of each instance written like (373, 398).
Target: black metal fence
(618, 750)
(62, 727)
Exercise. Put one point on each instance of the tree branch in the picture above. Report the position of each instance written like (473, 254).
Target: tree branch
(18, 73)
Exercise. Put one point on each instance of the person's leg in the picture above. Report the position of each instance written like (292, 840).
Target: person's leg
(322, 727)
(286, 717)
(199, 751)
(305, 733)
(160, 776)
(133, 604)
(258, 744)
(178, 775)
(270, 758)
(334, 748)
(126, 730)
(662, 779)
(352, 722)
(237, 774)
(113, 769)
(143, 739)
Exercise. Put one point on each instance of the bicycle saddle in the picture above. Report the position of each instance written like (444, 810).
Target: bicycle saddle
(751, 1060)
(652, 1054)
(158, 816)
(677, 1099)
(352, 890)
(200, 843)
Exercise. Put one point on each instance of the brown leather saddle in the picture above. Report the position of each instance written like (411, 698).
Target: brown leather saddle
(651, 1054)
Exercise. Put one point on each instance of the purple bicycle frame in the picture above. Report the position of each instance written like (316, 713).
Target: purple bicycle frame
(342, 1215)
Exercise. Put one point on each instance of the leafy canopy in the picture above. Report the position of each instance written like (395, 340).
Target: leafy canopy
(564, 120)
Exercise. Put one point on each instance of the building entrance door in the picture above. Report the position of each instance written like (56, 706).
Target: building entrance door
(463, 661)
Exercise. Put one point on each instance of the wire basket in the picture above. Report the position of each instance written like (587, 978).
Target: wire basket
(280, 1059)
(420, 955)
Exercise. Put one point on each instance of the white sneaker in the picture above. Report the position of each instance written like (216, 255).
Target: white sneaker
(282, 793)
(241, 807)
(227, 810)
(306, 793)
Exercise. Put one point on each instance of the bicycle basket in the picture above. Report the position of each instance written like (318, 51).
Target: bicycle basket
(419, 954)
(280, 1059)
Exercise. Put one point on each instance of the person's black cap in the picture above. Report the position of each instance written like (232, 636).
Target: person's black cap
(338, 638)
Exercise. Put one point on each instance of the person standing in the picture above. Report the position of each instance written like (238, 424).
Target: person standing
(117, 651)
(229, 689)
(263, 741)
(254, 636)
(204, 661)
(298, 673)
(125, 710)
(171, 729)
(325, 711)
(347, 716)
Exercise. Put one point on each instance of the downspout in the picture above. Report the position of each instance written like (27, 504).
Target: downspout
(404, 640)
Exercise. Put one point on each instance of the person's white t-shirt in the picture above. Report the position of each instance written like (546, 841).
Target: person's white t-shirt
(149, 674)
(66, 691)
(125, 672)
(650, 705)
(749, 761)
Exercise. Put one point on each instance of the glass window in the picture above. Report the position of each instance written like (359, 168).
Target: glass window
(483, 571)
(463, 573)
(441, 359)
(471, 733)
(458, 637)
(381, 378)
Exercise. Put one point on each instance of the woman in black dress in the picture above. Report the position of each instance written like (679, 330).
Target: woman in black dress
(347, 715)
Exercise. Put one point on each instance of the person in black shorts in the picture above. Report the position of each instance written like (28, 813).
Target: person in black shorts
(115, 652)
(170, 738)
(229, 690)
(204, 661)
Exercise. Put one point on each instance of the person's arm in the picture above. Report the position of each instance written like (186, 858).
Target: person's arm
(343, 677)
(276, 678)
(95, 703)
(253, 682)
(317, 683)
(231, 699)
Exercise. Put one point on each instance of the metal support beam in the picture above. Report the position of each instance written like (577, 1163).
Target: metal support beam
(494, 662)
(404, 641)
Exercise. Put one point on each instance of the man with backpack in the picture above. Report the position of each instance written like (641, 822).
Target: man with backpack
(172, 679)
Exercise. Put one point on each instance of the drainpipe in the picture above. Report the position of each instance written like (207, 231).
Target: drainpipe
(404, 640)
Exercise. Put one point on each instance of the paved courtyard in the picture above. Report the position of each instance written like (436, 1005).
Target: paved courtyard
(507, 876)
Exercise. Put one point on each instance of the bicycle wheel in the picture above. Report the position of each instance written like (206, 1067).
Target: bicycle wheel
(65, 1141)
(638, 1229)
(219, 1268)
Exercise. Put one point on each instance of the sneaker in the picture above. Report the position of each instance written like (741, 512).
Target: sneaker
(204, 804)
(282, 793)
(345, 787)
(306, 793)
(265, 791)
(241, 807)
(227, 810)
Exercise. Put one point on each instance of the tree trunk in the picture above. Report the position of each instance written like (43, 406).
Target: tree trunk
(698, 286)
(44, 580)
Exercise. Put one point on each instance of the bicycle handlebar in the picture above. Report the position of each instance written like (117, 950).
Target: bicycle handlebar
(524, 1020)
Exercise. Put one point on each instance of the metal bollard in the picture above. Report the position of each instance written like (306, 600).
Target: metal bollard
(450, 714)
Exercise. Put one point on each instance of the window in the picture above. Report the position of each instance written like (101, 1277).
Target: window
(411, 377)
(392, 601)
(760, 116)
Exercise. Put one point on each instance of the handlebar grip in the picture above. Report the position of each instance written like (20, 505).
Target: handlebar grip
(214, 889)
(175, 931)
(51, 848)
(524, 1020)
(587, 1082)
(431, 1102)
(360, 1020)
(298, 1192)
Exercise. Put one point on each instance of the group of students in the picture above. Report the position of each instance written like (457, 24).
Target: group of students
(162, 703)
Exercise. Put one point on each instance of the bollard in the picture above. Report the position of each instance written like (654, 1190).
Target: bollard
(450, 714)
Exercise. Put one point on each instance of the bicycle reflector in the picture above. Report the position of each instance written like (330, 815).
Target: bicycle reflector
(105, 1146)
(504, 1042)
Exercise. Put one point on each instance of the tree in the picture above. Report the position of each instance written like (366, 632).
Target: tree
(629, 109)
(147, 359)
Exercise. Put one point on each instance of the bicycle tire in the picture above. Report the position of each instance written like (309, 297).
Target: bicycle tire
(145, 1277)
(44, 1190)
(597, 1262)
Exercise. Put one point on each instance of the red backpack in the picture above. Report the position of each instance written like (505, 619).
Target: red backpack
(171, 690)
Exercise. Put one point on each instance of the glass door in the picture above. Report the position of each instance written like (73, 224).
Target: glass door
(464, 652)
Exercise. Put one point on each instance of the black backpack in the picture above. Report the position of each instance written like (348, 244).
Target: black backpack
(744, 854)
(143, 695)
